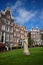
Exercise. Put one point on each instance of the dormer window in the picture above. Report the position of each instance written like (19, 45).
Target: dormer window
(8, 16)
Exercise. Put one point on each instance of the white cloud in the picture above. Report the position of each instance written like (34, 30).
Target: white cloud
(16, 6)
(41, 15)
(23, 15)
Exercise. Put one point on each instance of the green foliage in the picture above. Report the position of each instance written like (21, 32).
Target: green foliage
(42, 37)
(30, 41)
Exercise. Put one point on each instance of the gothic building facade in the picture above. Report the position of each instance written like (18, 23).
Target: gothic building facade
(10, 33)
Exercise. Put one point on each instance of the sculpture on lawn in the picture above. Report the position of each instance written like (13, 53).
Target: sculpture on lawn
(26, 50)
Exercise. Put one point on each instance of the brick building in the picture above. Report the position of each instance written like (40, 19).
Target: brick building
(41, 34)
(10, 33)
(6, 27)
(19, 34)
(35, 35)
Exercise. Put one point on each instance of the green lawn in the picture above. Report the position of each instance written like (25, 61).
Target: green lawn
(16, 57)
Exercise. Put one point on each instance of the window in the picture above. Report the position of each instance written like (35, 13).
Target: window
(37, 32)
(0, 38)
(17, 29)
(14, 33)
(22, 36)
(18, 34)
(11, 29)
(7, 36)
(3, 20)
(7, 43)
(11, 23)
(25, 34)
(11, 37)
(8, 16)
(0, 35)
(7, 28)
(0, 32)
(22, 32)
(3, 27)
(7, 22)
(0, 14)
(15, 40)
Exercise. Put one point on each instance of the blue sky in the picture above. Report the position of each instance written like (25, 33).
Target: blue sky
(27, 13)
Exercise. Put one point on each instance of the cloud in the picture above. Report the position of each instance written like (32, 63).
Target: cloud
(21, 15)
(16, 6)
(28, 17)
(33, 1)
(24, 16)
(41, 15)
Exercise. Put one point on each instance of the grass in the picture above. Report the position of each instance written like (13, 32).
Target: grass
(16, 57)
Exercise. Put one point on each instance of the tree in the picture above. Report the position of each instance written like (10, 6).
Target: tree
(42, 37)
(30, 42)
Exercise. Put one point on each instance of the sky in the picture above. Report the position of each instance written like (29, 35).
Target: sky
(28, 13)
